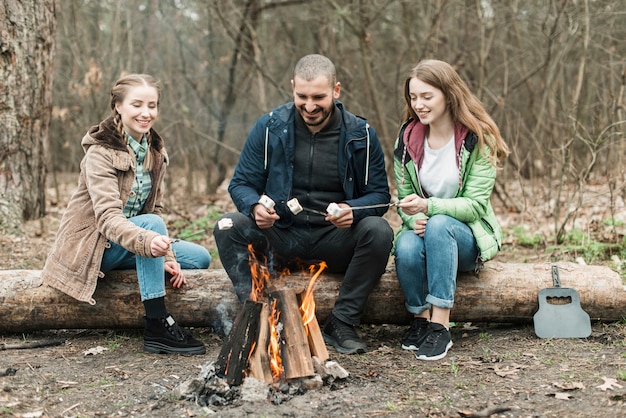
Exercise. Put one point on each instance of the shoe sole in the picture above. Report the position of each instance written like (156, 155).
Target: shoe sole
(341, 349)
(437, 357)
(157, 348)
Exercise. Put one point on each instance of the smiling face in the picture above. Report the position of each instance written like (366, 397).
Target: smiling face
(314, 100)
(138, 110)
(428, 102)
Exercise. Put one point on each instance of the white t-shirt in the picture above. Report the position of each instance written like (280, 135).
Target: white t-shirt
(439, 175)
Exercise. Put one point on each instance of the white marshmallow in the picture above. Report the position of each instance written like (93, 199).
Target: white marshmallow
(334, 209)
(225, 223)
(294, 206)
(267, 202)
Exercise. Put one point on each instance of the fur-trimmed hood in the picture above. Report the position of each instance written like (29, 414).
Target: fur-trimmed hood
(107, 135)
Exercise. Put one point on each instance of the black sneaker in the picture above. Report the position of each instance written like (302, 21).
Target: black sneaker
(416, 334)
(437, 343)
(342, 336)
(165, 336)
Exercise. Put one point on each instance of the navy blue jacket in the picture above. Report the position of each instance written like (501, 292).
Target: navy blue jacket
(266, 165)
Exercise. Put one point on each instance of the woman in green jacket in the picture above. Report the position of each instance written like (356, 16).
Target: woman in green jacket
(445, 162)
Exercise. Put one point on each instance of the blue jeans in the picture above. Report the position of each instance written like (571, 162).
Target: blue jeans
(427, 266)
(151, 271)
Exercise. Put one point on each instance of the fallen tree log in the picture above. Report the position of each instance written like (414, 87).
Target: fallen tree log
(501, 292)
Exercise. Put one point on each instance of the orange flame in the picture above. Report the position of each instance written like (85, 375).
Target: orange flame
(307, 305)
(273, 349)
(260, 275)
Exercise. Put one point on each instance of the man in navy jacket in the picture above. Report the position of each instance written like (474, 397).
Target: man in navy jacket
(315, 151)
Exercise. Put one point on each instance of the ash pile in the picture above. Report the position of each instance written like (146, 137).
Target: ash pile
(209, 389)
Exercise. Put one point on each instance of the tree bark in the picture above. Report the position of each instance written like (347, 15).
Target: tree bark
(26, 59)
(502, 292)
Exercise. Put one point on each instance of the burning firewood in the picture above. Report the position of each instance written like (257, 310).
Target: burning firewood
(276, 334)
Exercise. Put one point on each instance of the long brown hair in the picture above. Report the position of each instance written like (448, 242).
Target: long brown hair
(118, 94)
(463, 105)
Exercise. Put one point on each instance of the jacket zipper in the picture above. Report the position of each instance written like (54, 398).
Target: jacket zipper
(491, 230)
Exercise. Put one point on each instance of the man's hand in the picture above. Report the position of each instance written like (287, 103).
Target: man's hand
(264, 217)
(345, 218)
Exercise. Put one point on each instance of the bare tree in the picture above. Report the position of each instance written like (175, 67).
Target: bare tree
(26, 55)
(551, 73)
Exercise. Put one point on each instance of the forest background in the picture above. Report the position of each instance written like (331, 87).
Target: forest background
(551, 73)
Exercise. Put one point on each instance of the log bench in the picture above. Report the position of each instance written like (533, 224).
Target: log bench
(501, 292)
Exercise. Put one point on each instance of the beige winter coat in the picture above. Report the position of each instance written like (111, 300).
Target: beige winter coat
(94, 215)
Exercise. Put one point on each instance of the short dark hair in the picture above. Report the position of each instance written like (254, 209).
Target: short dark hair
(315, 65)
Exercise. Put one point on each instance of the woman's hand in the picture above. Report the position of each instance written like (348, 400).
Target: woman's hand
(264, 217)
(178, 279)
(420, 227)
(413, 204)
(345, 218)
(160, 245)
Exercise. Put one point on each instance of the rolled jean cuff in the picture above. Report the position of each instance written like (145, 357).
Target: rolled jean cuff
(440, 303)
(416, 310)
(153, 296)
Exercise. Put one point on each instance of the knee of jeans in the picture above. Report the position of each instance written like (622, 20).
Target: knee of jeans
(200, 258)
(407, 244)
(205, 260)
(437, 224)
(154, 223)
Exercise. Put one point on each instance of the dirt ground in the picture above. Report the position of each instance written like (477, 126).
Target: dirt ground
(497, 370)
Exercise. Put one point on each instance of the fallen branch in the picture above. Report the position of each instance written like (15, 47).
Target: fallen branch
(483, 413)
(30, 344)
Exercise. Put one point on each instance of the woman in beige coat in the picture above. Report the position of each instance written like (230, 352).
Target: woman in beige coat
(112, 221)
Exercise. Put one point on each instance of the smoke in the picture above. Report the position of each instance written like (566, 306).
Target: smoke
(225, 322)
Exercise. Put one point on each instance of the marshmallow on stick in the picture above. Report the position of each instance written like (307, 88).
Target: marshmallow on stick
(334, 209)
(267, 203)
(294, 206)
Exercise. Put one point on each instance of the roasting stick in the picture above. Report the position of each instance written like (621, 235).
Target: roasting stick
(332, 209)
(380, 205)
(319, 212)
(173, 240)
(335, 210)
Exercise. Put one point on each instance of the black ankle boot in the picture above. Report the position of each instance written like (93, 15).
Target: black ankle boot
(164, 336)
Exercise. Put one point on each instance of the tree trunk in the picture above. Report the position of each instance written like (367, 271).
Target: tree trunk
(500, 293)
(26, 59)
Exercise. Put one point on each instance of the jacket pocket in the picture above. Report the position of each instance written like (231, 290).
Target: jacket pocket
(78, 248)
(487, 238)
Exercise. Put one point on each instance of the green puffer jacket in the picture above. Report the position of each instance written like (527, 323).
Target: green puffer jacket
(472, 203)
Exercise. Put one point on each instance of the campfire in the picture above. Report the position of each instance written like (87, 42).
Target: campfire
(276, 334)
(275, 339)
